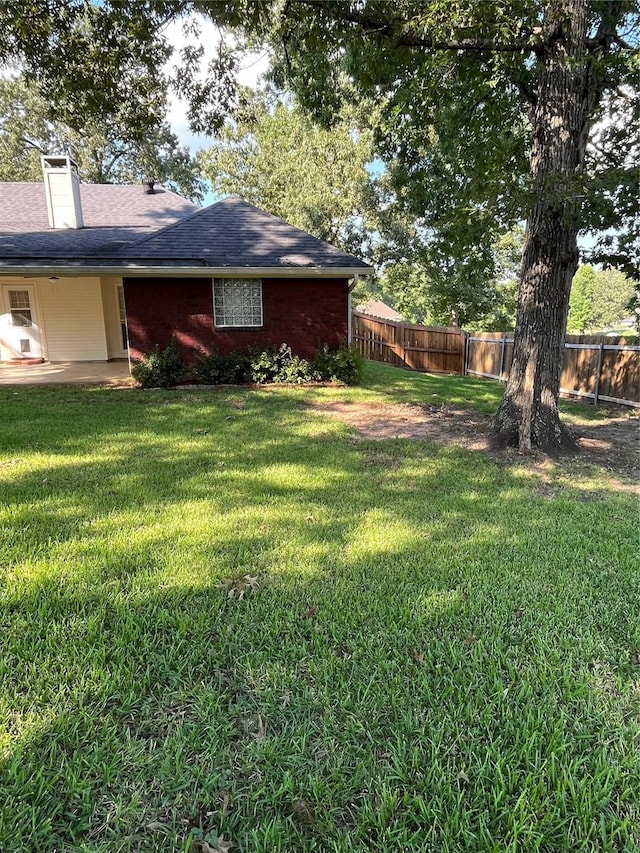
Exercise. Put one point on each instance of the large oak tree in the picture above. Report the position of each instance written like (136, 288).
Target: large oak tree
(461, 93)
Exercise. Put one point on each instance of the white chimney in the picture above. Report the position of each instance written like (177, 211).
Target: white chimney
(62, 189)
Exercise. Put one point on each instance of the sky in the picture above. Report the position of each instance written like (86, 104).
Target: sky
(252, 68)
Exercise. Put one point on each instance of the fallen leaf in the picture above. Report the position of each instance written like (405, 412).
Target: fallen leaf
(303, 811)
(223, 846)
(311, 612)
(343, 653)
(286, 698)
(224, 804)
(462, 777)
(238, 587)
(262, 729)
(210, 843)
(156, 826)
(519, 613)
(471, 638)
(418, 657)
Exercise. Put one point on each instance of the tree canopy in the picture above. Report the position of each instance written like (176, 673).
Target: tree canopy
(105, 150)
(276, 157)
(599, 299)
(486, 111)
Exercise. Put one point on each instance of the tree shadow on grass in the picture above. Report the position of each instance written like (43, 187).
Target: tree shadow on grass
(417, 659)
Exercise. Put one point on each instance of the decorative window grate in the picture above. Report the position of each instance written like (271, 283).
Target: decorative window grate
(237, 301)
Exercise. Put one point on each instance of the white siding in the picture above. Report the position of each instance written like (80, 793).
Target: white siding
(112, 317)
(73, 319)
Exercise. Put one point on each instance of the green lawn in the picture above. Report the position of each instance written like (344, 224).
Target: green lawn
(439, 651)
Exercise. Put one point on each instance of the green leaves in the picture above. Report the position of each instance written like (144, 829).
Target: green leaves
(599, 299)
(315, 178)
(107, 148)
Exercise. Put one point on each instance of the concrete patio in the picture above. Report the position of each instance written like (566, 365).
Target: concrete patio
(111, 373)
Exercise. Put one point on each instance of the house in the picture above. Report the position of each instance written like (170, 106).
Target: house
(379, 309)
(94, 272)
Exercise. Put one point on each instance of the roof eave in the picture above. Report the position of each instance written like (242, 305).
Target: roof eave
(146, 271)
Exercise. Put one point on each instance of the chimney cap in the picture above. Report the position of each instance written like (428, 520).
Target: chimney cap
(148, 185)
(59, 161)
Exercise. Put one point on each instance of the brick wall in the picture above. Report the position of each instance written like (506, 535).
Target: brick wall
(300, 312)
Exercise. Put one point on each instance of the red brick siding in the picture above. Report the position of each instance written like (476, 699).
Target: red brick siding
(300, 312)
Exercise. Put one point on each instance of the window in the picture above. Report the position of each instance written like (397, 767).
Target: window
(237, 301)
(20, 308)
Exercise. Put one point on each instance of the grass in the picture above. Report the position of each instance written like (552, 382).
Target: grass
(438, 654)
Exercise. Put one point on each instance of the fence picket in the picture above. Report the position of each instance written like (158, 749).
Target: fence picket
(582, 374)
(448, 350)
(422, 348)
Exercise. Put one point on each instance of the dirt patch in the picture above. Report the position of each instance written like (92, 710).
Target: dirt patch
(447, 424)
(612, 443)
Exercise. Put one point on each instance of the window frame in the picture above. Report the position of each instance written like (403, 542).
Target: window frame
(230, 282)
(21, 312)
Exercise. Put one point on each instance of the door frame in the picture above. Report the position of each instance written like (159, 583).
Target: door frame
(11, 334)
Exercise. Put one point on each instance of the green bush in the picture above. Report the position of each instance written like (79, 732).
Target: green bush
(164, 368)
(223, 369)
(159, 368)
(342, 365)
(280, 365)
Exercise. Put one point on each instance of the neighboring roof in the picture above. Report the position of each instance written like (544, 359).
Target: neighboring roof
(126, 228)
(378, 308)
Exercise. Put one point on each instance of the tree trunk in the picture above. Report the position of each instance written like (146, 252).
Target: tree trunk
(528, 414)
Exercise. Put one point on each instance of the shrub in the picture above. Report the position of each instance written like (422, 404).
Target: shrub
(218, 369)
(342, 365)
(159, 368)
(280, 366)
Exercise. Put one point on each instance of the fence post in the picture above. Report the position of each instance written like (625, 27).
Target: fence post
(598, 372)
(465, 353)
(403, 353)
(503, 347)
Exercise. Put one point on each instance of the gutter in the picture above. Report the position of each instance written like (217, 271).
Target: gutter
(189, 272)
(352, 287)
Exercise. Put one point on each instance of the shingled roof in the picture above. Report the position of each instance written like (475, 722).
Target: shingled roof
(114, 216)
(234, 233)
(126, 228)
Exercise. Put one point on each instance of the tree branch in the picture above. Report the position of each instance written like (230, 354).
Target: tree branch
(31, 144)
(370, 26)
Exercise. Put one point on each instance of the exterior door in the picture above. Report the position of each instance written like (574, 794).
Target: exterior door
(20, 333)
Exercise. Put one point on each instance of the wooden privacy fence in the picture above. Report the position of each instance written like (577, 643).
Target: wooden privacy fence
(423, 348)
(595, 367)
